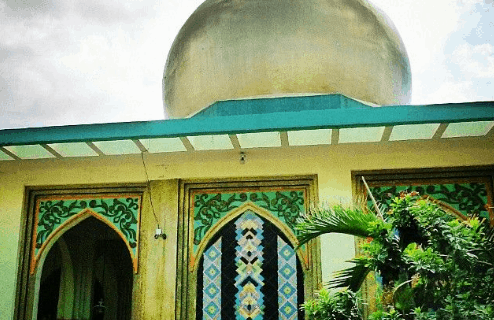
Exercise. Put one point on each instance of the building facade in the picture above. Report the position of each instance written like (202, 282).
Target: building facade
(195, 217)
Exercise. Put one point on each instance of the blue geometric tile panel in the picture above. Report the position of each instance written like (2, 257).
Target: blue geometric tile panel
(249, 302)
(287, 281)
(249, 271)
(212, 282)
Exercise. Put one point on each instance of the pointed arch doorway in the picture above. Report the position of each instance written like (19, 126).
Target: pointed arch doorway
(87, 274)
(249, 270)
(237, 246)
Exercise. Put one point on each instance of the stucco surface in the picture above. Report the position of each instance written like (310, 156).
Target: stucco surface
(155, 284)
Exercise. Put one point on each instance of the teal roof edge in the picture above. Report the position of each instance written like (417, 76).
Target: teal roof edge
(276, 121)
(280, 104)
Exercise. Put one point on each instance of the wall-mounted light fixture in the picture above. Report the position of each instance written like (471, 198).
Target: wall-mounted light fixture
(159, 234)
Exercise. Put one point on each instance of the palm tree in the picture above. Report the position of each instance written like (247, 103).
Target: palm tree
(339, 219)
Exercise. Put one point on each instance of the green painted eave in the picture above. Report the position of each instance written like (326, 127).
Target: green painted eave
(334, 118)
(280, 104)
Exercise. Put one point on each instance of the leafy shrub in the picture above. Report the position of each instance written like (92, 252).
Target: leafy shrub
(433, 266)
(341, 305)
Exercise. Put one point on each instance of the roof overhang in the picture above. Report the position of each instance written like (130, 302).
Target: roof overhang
(299, 121)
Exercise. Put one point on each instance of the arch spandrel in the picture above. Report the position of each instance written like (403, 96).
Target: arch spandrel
(55, 215)
(289, 233)
(209, 211)
(462, 198)
(208, 208)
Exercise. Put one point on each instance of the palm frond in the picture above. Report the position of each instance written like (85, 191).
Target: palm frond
(489, 245)
(489, 234)
(336, 219)
(352, 277)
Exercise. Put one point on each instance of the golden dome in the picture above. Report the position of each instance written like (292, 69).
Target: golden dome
(235, 49)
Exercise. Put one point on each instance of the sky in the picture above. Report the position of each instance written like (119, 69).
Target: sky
(65, 62)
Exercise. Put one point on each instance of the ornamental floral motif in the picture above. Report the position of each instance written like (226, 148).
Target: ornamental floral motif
(121, 212)
(468, 198)
(209, 208)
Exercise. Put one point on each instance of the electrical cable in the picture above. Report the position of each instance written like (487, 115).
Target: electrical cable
(149, 188)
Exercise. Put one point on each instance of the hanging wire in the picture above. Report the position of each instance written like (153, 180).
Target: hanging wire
(149, 187)
(374, 202)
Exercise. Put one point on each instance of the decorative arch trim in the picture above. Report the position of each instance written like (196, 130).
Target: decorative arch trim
(54, 216)
(460, 191)
(447, 208)
(207, 208)
(462, 198)
(249, 206)
(249, 270)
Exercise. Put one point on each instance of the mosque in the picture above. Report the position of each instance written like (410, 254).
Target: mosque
(275, 107)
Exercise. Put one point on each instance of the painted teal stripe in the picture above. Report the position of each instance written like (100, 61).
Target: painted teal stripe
(284, 104)
(277, 121)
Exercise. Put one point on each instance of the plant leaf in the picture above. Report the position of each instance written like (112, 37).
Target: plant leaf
(335, 219)
(352, 277)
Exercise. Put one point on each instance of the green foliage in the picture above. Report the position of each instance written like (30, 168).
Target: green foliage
(337, 219)
(383, 253)
(424, 315)
(341, 305)
(353, 277)
(392, 314)
(424, 262)
(433, 266)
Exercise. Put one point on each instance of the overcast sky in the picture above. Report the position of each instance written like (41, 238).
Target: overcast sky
(91, 61)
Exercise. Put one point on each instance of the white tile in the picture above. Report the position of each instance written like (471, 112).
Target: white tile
(34, 151)
(117, 147)
(309, 137)
(73, 149)
(157, 145)
(259, 140)
(468, 129)
(413, 131)
(211, 142)
(364, 134)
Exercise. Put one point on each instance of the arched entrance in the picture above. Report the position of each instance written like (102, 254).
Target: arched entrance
(49, 291)
(87, 274)
(249, 270)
